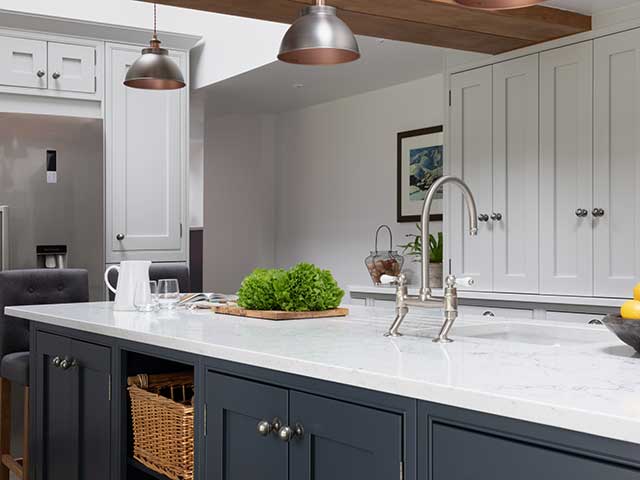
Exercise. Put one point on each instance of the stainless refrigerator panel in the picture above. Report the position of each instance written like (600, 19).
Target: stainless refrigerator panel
(68, 212)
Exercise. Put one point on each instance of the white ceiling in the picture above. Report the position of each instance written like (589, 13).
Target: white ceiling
(588, 7)
(272, 88)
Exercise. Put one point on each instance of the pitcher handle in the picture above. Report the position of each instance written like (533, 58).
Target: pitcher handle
(106, 277)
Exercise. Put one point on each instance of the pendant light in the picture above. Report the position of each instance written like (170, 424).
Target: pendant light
(497, 4)
(319, 37)
(154, 70)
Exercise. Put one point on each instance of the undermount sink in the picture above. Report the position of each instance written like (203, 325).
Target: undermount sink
(533, 333)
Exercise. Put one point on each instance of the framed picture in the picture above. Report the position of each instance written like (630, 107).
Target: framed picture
(420, 163)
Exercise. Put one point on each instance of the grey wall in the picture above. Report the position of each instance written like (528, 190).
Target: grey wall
(239, 198)
(336, 175)
(69, 212)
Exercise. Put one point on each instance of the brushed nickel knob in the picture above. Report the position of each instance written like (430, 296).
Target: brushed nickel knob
(65, 364)
(55, 75)
(488, 313)
(56, 361)
(598, 212)
(264, 428)
(120, 237)
(288, 433)
(581, 213)
(40, 73)
(483, 217)
(595, 321)
(496, 217)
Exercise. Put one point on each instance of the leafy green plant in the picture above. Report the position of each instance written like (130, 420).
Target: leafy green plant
(414, 247)
(303, 288)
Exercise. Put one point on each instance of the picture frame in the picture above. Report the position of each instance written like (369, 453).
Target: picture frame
(420, 163)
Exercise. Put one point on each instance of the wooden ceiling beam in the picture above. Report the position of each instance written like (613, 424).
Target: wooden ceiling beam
(439, 23)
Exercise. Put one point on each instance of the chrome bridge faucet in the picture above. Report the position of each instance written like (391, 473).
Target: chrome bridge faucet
(450, 300)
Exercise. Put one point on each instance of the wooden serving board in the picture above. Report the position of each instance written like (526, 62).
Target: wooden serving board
(279, 315)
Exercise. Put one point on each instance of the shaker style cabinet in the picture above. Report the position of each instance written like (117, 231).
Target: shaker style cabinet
(494, 148)
(616, 197)
(24, 62)
(73, 409)
(324, 439)
(146, 155)
(72, 68)
(566, 170)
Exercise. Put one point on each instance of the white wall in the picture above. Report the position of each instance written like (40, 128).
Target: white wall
(239, 198)
(336, 175)
(196, 159)
(254, 42)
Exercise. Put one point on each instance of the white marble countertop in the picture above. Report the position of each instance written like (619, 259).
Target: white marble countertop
(471, 294)
(591, 386)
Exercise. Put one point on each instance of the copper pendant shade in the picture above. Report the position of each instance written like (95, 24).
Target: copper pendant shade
(319, 37)
(154, 70)
(497, 4)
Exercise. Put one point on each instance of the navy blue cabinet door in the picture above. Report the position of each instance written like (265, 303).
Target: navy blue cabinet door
(235, 450)
(73, 414)
(342, 441)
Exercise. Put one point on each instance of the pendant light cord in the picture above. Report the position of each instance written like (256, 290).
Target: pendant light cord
(155, 15)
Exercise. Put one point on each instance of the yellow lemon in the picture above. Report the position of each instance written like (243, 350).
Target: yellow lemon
(636, 292)
(631, 310)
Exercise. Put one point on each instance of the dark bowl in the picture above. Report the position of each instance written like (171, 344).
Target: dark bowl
(627, 330)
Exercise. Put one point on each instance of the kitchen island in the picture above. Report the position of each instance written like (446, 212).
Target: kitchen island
(543, 400)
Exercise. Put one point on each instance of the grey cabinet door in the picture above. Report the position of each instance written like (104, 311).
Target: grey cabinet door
(233, 447)
(342, 441)
(73, 414)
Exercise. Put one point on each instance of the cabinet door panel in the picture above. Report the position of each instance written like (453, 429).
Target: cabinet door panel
(21, 59)
(343, 441)
(471, 159)
(72, 68)
(566, 242)
(459, 454)
(145, 152)
(617, 163)
(515, 175)
(234, 449)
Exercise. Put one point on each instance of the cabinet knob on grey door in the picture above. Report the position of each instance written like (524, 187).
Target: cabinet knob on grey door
(595, 321)
(496, 217)
(483, 217)
(120, 237)
(288, 433)
(265, 427)
(598, 212)
(581, 213)
(55, 75)
(65, 364)
(40, 73)
(56, 361)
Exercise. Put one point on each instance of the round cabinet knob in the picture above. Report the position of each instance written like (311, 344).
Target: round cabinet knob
(40, 73)
(120, 237)
(55, 75)
(595, 321)
(598, 212)
(581, 213)
(483, 217)
(264, 428)
(496, 217)
(56, 361)
(488, 313)
(65, 364)
(287, 433)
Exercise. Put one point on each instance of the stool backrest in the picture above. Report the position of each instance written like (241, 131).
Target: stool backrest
(35, 287)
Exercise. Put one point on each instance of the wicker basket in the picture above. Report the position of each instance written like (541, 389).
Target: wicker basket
(162, 417)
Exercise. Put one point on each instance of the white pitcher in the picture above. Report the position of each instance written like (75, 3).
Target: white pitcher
(130, 273)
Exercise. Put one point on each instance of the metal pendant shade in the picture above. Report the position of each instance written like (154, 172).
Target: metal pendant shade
(319, 37)
(497, 4)
(154, 70)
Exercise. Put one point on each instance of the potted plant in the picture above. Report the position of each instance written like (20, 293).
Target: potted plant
(414, 249)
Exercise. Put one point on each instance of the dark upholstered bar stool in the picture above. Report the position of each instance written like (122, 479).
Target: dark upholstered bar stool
(26, 287)
(158, 271)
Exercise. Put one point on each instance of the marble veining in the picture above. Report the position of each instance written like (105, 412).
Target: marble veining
(591, 387)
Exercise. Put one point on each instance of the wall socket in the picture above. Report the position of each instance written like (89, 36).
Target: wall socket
(52, 166)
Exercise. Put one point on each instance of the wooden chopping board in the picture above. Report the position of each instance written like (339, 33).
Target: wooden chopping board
(279, 315)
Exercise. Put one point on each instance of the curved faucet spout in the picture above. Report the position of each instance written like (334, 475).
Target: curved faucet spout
(425, 290)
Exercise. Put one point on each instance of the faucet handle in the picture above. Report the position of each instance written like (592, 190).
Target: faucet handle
(392, 280)
(453, 281)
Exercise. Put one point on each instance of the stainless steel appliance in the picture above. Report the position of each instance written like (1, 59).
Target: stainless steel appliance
(4, 237)
(51, 179)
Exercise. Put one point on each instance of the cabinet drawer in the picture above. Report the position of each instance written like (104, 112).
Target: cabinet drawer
(24, 62)
(72, 68)
(460, 454)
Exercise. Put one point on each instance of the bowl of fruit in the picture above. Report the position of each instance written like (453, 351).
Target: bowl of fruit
(626, 325)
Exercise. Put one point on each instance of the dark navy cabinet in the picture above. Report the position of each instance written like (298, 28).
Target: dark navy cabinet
(260, 432)
(72, 409)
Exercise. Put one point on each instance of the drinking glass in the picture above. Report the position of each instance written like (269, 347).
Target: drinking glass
(144, 298)
(168, 293)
